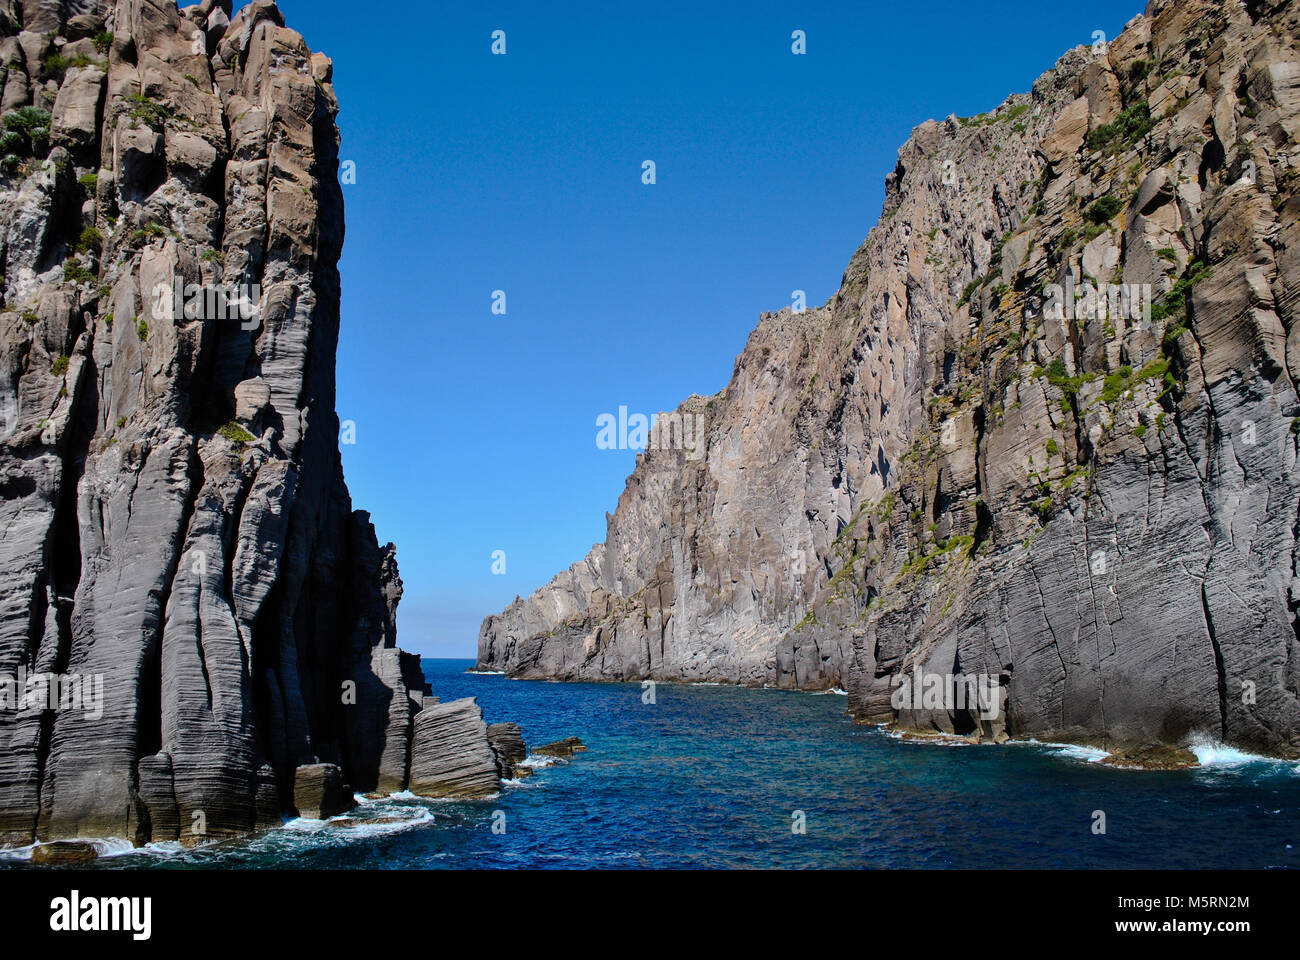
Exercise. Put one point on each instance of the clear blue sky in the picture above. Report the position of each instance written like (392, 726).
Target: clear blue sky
(522, 173)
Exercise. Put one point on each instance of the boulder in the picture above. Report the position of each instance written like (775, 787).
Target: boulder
(1151, 756)
(507, 740)
(561, 748)
(76, 115)
(83, 26)
(451, 755)
(319, 792)
(1066, 137)
(251, 398)
(63, 852)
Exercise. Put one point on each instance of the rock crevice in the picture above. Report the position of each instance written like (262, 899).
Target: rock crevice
(174, 523)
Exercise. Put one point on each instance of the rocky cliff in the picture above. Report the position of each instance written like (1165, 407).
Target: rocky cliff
(174, 524)
(1045, 432)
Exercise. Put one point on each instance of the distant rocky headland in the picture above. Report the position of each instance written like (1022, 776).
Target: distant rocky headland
(197, 631)
(1043, 438)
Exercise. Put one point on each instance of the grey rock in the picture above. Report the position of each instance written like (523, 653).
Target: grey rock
(251, 398)
(43, 16)
(561, 748)
(81, 26)
(507, 740)
(450, 752)
(30, 240)
(174, 523)
(63, 852)
(936, 471)
(319, 792)
(269, 812)
(77, 111)
(158, 795)
(389, 686)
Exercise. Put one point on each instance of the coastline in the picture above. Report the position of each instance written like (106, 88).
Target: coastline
(1116, 754)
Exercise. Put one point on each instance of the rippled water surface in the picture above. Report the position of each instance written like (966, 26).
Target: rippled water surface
(712, 776)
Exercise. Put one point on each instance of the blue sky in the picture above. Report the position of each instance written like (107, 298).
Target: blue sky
(475, 432)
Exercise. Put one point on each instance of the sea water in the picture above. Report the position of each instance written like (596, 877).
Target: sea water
(723, 777)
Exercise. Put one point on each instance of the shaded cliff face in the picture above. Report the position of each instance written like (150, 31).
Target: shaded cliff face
(953, 467)
(174, 522)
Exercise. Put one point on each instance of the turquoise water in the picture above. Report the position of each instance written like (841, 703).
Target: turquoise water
(712, 776)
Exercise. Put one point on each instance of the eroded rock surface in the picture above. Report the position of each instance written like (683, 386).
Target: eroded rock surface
(319, 791)
(944, 469)
(561, 748)
(451, 755)
(507, 740)
(173, 515)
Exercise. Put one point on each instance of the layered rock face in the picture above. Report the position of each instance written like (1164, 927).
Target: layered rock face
(453, 756)
(174, 517)
(955, 467)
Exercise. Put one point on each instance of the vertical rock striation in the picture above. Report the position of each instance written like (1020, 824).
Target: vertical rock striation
(953, 468)
(173, 515)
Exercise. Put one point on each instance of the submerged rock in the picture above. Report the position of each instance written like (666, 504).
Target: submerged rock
(64, 851)
(1151, 756)
(561, 748)
(362, 823)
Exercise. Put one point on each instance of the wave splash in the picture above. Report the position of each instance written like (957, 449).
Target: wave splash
(1211, 753)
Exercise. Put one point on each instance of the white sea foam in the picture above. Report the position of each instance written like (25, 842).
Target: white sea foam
(1067, 751)
(538, 763)
(387, 820)
(1073, 751)
(104, 846)
(833, 692)
(162, 848)
(1212, 753)
(371, 818)
(113, 847)
(932, 740)
(419, 815)
(1208, 752)
(407, 795)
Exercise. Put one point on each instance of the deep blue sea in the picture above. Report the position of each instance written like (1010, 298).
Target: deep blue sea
(715, 776)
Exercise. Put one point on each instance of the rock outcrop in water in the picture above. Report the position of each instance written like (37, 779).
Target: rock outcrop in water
(507, 741)
(952, 467)
(173, 516)
(451, 755)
